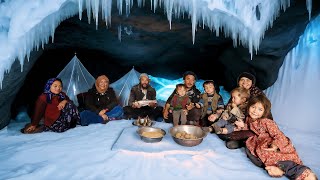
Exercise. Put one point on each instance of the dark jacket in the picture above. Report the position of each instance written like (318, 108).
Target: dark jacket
(136, 94)
(193, 93)
(96, 101)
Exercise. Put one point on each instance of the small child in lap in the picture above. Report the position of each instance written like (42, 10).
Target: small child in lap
(232, 119)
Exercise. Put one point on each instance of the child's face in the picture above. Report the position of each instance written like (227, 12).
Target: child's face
(209, 88)
(236, 98)
(256, 110)
(181, 91)
(56, 87)
(245, 82)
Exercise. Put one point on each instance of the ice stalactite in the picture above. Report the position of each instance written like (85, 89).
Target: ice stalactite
(119, 32)
(309, 7)
(22, 39)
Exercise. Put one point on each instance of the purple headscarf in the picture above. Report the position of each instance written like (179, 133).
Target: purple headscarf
(48, 93)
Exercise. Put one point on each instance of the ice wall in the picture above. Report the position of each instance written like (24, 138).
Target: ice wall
(295, 95)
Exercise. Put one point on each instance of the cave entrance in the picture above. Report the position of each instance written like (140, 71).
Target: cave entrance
(146, 43)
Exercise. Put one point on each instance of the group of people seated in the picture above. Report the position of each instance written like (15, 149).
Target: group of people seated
(245, 121)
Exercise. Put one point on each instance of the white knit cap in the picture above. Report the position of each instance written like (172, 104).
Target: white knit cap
(144, 74)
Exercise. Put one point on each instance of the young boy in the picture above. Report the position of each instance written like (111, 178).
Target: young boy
(178, 105)
(211, 103)
(232, 119)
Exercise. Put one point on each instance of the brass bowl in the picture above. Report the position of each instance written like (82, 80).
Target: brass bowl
(190, 129)
(150, 129)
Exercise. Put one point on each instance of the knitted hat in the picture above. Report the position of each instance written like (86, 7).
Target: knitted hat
(189, 73)
(144, 75)
(247, 75)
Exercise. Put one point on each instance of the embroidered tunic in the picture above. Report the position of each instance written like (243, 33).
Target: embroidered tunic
(267, 133)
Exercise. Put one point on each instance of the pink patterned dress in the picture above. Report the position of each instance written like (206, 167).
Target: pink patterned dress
(267, 133)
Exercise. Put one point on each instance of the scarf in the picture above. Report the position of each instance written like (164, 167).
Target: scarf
(49, 94)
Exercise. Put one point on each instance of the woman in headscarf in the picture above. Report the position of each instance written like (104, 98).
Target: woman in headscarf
(55, 108)
(101, 104)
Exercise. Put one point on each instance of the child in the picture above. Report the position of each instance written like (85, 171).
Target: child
(232, 118)
(178, 105)
(269, 147)
(211, 103)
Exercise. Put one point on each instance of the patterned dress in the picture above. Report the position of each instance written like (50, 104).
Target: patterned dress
(69, 117)
(266, 133)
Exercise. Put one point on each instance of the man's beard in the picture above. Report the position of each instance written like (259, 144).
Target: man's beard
(144, 86)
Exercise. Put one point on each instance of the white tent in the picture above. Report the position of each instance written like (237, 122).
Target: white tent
(123, 86)
(76, 79)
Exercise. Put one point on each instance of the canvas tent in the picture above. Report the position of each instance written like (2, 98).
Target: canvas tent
(76, 79)
(122, 86)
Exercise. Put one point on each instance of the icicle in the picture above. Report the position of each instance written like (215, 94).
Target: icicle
(95, 11)
(155, 3)
(128, 6)
(88, 5)
(53, 27)
(169, 7)
(80, 5)
(106, 11)
(309, 7)
(139, 3)
(119, 32)
(119, 6)
(194, 19)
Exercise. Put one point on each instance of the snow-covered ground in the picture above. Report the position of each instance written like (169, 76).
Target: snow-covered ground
(89, 152)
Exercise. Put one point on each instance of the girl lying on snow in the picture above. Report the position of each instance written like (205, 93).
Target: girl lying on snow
(269, 148)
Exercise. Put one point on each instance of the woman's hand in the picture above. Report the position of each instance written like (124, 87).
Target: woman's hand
(30, 128)
(102, 112)
(62, 104)
(105, 117)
